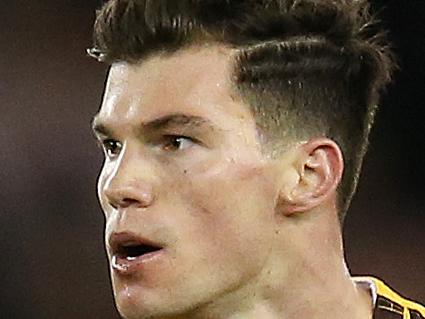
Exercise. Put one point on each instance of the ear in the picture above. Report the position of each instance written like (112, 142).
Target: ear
(313, 176)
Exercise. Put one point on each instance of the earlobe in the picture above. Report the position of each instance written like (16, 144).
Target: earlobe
(315, 174)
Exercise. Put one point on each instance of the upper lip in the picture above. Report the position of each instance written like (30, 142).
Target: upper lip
(118, 241)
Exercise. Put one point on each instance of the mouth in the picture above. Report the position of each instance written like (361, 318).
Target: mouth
(131, 253)
(134, 250)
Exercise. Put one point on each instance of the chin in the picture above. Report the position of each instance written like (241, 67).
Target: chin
(138, 307)
(143, 310)
(136, 302)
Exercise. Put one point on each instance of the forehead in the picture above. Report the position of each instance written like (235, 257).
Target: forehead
(196, 80)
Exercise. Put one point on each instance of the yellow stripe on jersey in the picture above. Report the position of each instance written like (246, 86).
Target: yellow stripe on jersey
(387, 292)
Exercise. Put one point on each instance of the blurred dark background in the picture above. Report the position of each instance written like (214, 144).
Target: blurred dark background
(51, 248)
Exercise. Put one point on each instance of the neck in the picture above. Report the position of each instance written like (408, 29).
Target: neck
(305, 277)
(332, 295)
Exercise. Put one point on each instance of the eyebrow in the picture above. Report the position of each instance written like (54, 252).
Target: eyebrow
(179, 121)
(166, 122)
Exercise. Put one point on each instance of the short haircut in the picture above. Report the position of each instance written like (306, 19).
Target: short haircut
(306, 68)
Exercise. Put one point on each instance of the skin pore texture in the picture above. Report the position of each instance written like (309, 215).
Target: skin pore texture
(244, 235)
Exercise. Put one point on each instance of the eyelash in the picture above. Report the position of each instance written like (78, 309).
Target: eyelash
(169, 139)
(112, 147)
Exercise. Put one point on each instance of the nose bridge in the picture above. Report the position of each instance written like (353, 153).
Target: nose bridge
(131, 179)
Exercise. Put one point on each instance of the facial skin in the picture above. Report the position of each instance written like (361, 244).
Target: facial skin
(184, 168)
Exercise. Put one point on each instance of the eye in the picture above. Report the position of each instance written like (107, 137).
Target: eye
(111, 147)
(174, 143)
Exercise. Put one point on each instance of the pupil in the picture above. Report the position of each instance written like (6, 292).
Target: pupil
(176, 142)
(112, 147)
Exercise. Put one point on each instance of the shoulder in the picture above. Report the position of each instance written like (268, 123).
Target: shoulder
(391, 302)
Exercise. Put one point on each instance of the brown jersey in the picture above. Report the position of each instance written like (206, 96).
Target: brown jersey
(390, 305)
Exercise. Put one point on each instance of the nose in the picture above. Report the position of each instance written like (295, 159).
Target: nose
(129, 183)
(123, 196)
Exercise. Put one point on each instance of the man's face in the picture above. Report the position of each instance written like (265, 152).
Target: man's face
(183, 173)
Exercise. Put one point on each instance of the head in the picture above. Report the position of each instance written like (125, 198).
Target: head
(226, 126)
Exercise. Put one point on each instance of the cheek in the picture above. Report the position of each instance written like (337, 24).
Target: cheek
(231, 208)
(236, 189)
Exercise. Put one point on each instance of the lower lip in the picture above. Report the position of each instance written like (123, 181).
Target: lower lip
(132, 265)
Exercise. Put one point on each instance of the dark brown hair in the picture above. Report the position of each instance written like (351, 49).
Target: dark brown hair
(306, 67)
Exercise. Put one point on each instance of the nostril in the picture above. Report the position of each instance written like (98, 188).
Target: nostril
(129, 196)
(126, 202)
(141, 202)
